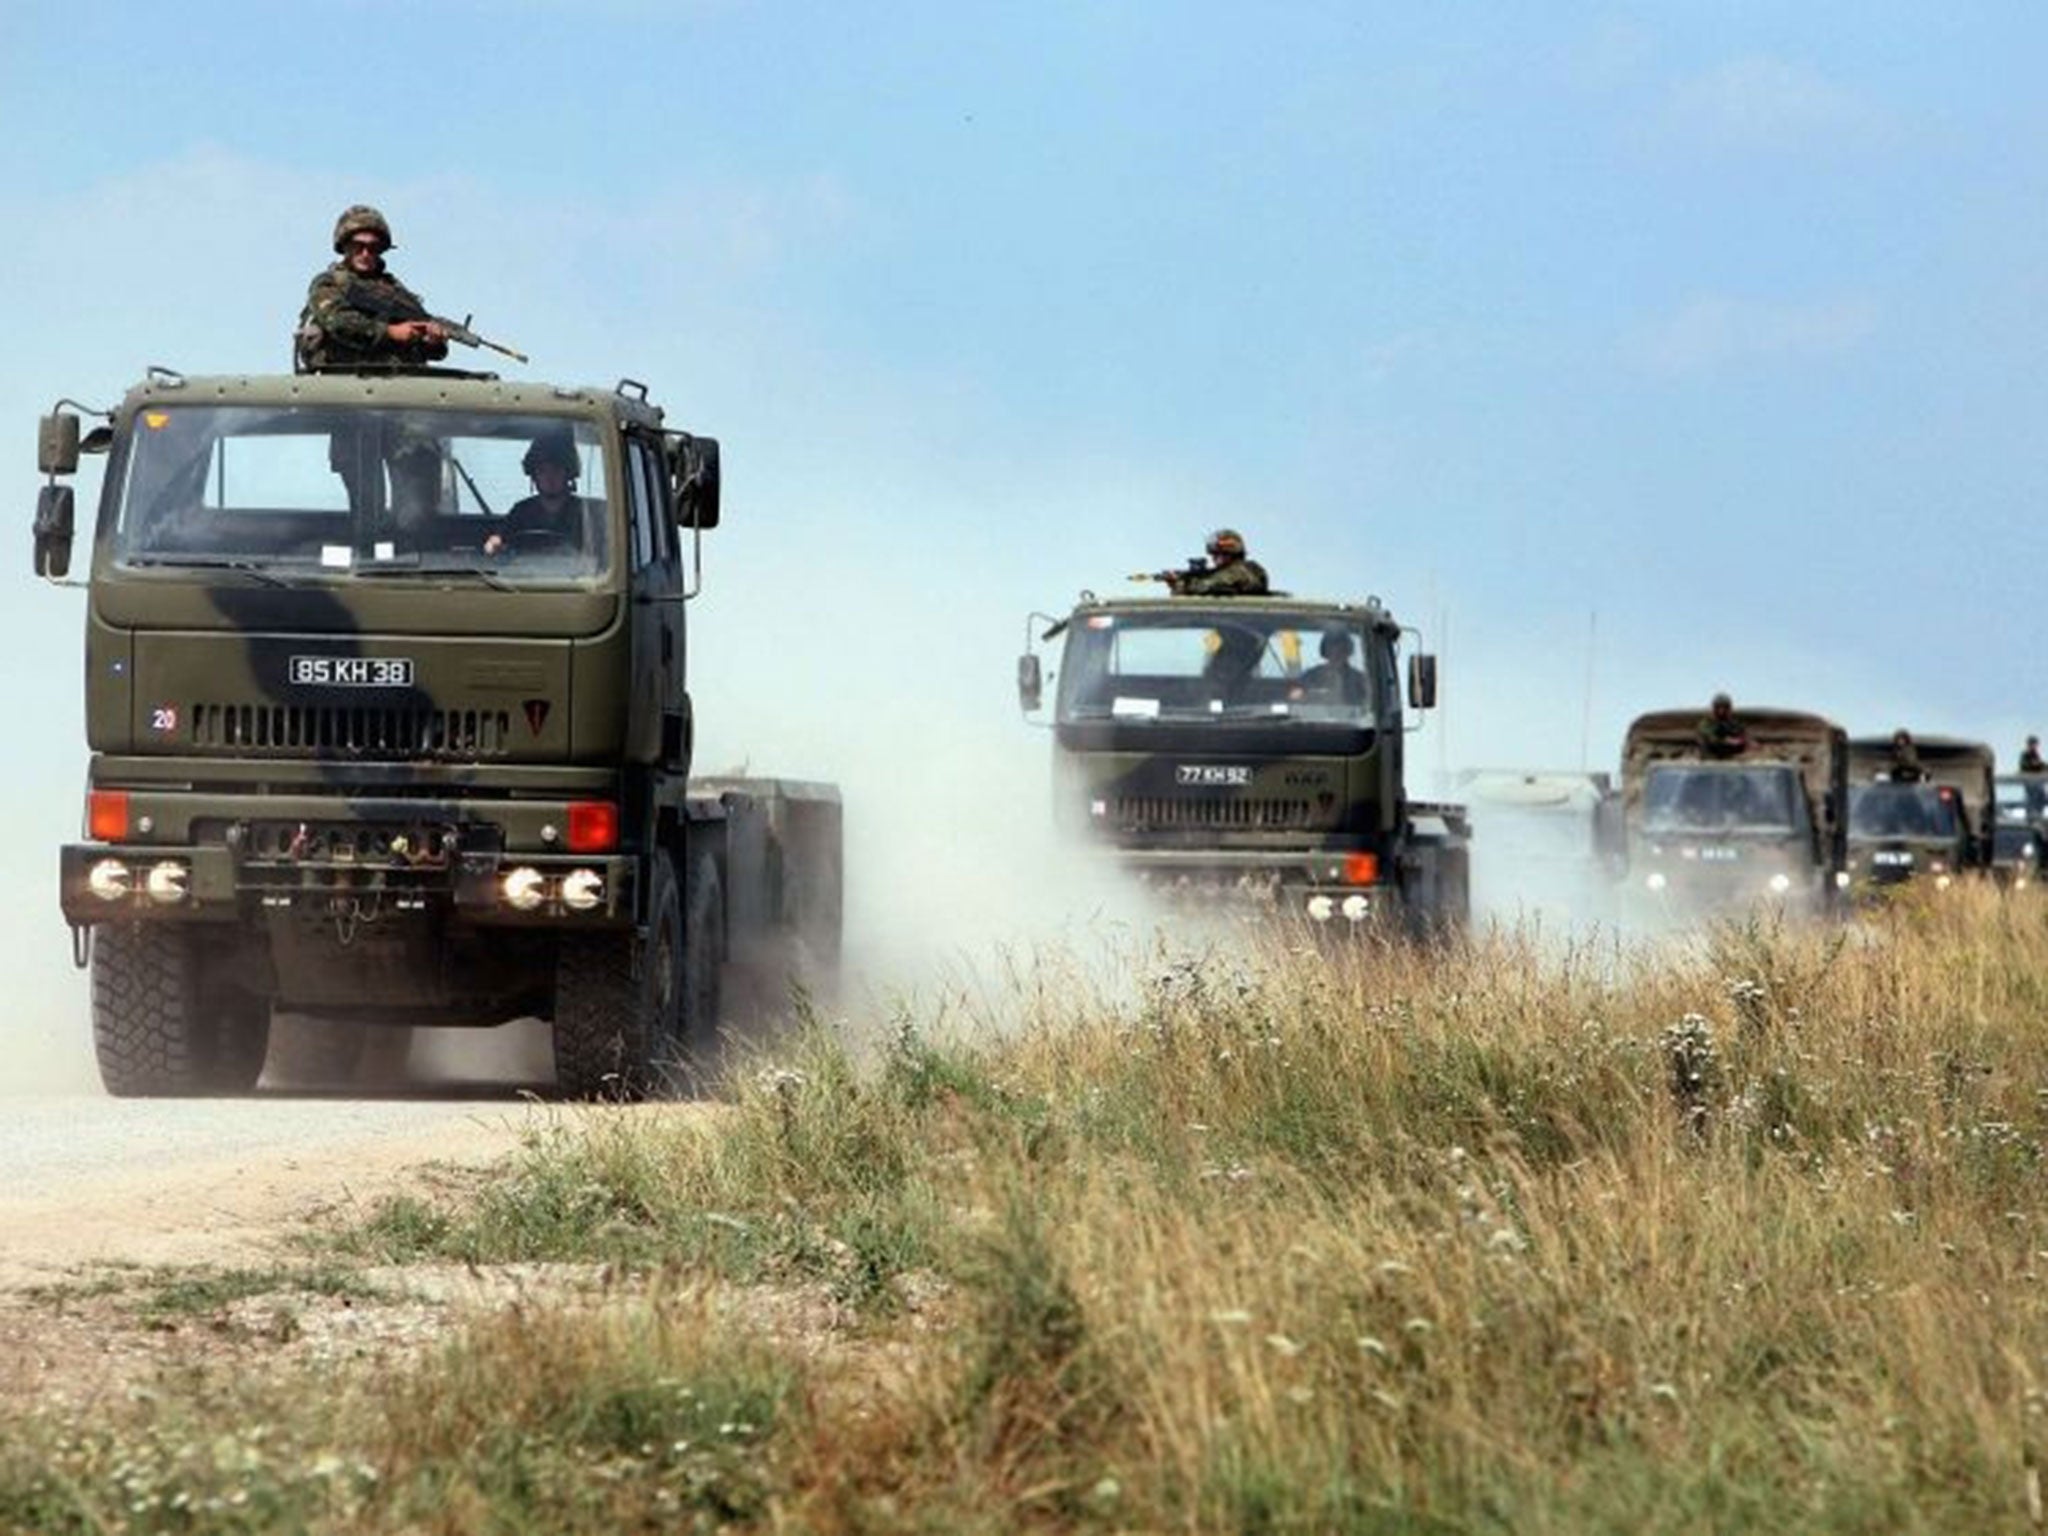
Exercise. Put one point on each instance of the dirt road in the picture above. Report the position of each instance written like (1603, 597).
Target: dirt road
(85, 1179)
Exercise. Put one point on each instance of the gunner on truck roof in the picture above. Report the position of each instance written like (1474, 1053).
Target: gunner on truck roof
(1721, 733)
(346, 319)
(1229, 573)
(1906, 767)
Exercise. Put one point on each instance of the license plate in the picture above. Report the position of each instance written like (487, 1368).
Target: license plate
(351, 671)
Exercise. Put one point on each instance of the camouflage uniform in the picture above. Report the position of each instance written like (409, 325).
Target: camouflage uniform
(1722, 736)
(1906, 765)
(1235, 578)
(333, 333)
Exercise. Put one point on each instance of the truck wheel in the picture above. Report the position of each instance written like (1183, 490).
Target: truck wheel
(617, 1000)
(153, 1030)
(703, 963)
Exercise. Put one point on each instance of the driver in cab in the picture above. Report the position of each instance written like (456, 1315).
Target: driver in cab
(1335, 679)
(551, 518)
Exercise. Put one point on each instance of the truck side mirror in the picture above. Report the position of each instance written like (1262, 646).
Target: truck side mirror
(696, 480)
(1421, 682)
(1030, 684)
(57, 444)
(54, 518)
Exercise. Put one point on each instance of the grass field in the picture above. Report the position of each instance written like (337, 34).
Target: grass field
(1745, 1232)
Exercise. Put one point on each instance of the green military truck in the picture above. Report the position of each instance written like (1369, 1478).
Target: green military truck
(2019, 831)
(1254, 744)
(371, 745)
(1701, 832)
(1938, 825)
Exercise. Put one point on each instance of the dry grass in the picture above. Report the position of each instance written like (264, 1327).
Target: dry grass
(1745, 1233)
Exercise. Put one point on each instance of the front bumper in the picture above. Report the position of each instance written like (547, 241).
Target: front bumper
(1315, 885)
(193, 857)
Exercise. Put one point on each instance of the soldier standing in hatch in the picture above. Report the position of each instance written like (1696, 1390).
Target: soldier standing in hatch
(335, 332)
(1721, 734)
(2031, 760)
(1906, 765)
(1230, 573)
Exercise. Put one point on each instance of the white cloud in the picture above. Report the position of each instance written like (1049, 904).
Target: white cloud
(1714, 331)
(1762, 102)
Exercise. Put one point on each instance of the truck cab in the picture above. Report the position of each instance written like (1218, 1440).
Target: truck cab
(1249, 744)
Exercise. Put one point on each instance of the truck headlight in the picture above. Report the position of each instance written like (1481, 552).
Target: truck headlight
(1355, 908)
(525, 888)
(1841, 879)
(582, 889)
(1943, 882)
(1655, 880)
(167, 883)
(110, 880)
(1320, 908)
(1781, 882)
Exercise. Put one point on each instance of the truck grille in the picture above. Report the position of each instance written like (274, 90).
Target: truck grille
(1152, 812)
(313, 730)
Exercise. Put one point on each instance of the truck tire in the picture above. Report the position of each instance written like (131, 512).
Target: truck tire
(153, 1030)
(618, 997)
(703, 963)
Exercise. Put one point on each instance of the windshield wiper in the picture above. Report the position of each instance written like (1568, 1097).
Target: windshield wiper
(210, 563)
(415, 568)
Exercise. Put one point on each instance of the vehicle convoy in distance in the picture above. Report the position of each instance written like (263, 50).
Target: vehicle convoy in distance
(367, 749)
(1703, 832)
(1936, 825)
(1254, 744)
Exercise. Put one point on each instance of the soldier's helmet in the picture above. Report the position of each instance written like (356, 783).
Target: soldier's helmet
(556, 448)
(360, 218)
(1226, 541)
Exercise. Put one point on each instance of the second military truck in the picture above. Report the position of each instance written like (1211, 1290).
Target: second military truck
(377, 736)
(1702, 829)
(1251, 744)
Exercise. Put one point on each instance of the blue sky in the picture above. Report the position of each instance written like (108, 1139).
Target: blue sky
(1719, 321)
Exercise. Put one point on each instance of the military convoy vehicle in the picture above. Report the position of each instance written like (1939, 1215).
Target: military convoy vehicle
(2019, 830)
(1704, 832)
(1938, 825)
(366, 748)
(1254, 745)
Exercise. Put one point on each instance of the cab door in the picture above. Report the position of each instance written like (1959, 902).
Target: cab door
(661, 703)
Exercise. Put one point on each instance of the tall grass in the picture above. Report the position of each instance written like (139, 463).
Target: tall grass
(1748, 1231)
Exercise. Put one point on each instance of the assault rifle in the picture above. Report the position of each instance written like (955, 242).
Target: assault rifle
(394, 311)
(1195, 567)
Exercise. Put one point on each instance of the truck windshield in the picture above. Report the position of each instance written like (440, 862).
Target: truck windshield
(2023, 800)
(1697, 798)
(307, 490)
(1191, 664)
(1902, 810)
